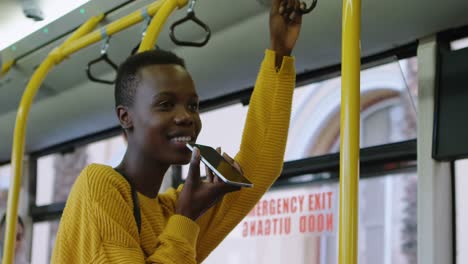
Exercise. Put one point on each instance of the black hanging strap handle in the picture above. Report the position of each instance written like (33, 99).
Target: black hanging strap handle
(306, 10)
(190, 17)
(105, 58)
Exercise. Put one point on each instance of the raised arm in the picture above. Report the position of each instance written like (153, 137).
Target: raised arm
(265, 133)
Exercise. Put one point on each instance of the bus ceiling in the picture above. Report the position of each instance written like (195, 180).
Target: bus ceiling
(234, 49)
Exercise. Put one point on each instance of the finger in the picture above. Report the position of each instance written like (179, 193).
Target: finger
(233, 162)
(224, 188)
(209, 174)
(303, 6)
(194, 169)
(299, 12)
(288, 9)
(282, 7)
(290, 5)
(228, 158)
(217, 179)
(296, 11)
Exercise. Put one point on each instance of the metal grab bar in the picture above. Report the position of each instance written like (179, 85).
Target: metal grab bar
(190, 17)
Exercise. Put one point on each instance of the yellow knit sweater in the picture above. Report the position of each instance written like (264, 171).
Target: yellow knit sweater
(98, 224)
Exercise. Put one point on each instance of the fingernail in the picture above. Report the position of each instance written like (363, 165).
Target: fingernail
(292, 16)
(303, 6)
(194, 153)
(225, 155)
(281, 10)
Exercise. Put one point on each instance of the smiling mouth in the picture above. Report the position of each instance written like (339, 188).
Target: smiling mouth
(181, 139)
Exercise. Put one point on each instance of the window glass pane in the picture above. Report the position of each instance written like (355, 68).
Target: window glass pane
(56, 173)
(388, 110)
(43, 241)
(461, 210)
(300, 224)
(459, 44)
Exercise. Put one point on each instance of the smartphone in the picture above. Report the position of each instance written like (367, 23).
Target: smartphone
(220, 167)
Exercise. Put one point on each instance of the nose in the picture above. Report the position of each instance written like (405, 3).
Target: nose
(183, 117)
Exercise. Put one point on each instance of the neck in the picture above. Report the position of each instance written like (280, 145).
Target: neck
(147, 175)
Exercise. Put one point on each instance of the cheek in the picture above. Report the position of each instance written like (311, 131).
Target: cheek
(198, 124)
(149, 121)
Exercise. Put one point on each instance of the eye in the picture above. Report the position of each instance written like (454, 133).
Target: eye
(193, 107)
(165, 105)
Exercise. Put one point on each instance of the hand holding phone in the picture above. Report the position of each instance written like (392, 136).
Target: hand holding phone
(220, 166)
(199, 196)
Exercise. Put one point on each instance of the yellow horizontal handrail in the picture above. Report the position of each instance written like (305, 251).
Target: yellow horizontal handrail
(6, 67)
(111, 29)
(156, 24)
(84, 29)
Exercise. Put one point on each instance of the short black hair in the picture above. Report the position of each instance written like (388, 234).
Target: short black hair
(3, 220)
(127, 76)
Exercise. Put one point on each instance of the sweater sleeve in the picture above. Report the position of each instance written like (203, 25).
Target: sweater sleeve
(98, 226)
(261, 152)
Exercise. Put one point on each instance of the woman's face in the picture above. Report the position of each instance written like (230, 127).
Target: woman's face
(19, 238)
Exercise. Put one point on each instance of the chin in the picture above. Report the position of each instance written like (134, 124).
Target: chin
(182, 160)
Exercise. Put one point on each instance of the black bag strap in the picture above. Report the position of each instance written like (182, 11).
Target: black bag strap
(136, 204)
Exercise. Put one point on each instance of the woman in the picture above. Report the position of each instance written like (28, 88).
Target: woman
(115, 215)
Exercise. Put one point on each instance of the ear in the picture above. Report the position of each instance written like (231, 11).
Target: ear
(125, 118)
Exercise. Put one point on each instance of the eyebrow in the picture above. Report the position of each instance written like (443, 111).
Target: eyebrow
(171, 94)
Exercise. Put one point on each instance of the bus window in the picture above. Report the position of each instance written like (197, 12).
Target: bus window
(43, 241)
(388, 110)
(388, 103)
(299, 224)
(57, 172)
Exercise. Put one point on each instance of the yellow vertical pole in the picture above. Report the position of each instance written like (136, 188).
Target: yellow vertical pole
(17, 157)
(19, 137)
(349, 132)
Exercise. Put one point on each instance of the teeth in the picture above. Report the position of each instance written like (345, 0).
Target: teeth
(182, 139)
